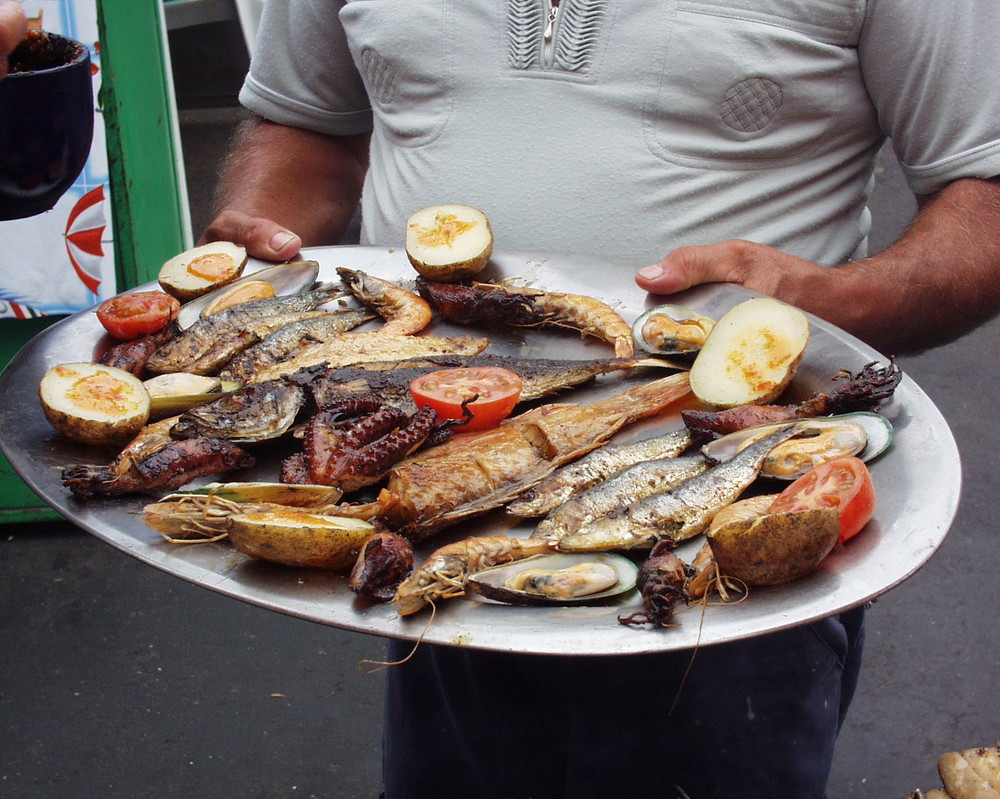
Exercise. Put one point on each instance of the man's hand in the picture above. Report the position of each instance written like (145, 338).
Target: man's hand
(940, 280)
(762, 269)
(285, 188)
(262, 238)
(13, 29)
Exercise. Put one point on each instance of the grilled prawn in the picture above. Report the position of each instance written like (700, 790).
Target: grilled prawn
(443, 575)
(528, 307)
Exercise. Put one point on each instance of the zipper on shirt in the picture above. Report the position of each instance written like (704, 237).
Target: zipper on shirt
(548, 35)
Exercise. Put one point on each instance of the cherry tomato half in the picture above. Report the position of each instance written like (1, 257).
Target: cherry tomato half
(842, 483)
(129, 316)
(496, 390)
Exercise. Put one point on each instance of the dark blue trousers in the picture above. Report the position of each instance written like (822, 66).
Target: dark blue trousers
(755, 718)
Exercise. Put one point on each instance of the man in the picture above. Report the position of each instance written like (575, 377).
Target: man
(738, 138)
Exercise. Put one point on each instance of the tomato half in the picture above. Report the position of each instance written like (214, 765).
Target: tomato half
(129, 316)
(496, 392)
(842, 483)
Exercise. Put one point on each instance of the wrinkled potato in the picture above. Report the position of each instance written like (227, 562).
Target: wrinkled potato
(300, 538)
(751, 355)
(94, 404)
(202, 269)
(971, 773)
(448, 242)
(749, 508)
(776, 547)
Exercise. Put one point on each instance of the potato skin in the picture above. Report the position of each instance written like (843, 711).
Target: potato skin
(298, 539)
(77, 420)
(176, 279)
(441, 264)
(775, 548)
(751, 355)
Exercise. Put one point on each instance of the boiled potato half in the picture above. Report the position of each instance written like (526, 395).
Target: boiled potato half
(202, 269)
(94, 404)
(776, 547)
(448, 242)
(300, 538)
(751, 354)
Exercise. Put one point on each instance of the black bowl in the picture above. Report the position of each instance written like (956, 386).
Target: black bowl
(46, 123)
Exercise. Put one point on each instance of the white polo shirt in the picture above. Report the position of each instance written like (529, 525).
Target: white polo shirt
(637, 126)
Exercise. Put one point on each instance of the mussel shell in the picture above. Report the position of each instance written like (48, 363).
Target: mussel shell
(671, 346)
(288, 278)
(874, 430)
(210, 389)
(488, 585)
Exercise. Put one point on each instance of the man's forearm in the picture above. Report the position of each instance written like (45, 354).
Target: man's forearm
(305, 181)
(940, 280)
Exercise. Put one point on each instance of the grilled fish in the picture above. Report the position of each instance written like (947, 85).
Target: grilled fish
(352, 348)
(253, 413)
(630, 485)
(476, 472)
(284, 342)
(391, 380)
(591, 469)
(209, 344)
(680, 513)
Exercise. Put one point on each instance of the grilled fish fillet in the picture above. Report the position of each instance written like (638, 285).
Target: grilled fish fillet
(475, 472)
(391, 380)
(351, 348)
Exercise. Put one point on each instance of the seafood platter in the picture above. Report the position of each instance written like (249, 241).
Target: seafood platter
(620, 401)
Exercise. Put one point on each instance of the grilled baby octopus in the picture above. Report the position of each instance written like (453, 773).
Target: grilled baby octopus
(865, 391)
(354, 442)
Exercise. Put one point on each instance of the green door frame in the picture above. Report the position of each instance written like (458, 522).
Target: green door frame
(149, 210)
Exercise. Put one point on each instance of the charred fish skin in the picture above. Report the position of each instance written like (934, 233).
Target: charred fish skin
(204, 336)
(595, 467)
(681, 513)
(347, 349)
(391, 380)
(287, 339)
(632, 484)
(259, 412)
(473, 473)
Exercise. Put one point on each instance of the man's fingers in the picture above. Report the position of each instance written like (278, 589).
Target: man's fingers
(262, 238)
(13, 29)
(690, 266)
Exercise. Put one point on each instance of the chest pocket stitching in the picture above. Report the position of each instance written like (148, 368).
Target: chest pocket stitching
(652, 116)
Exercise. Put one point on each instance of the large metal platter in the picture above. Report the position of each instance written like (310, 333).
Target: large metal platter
(917, 482)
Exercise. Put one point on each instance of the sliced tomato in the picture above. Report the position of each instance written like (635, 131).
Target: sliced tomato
(489, 393)
(842, 483)
(129, 316)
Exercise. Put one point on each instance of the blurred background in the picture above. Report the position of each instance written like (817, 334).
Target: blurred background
(119, 681)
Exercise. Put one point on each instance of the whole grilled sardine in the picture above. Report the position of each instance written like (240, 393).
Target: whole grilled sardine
(591, 469)
(633, 483)
(476, 472)
(682, 512)
(351, 348)
(258, 412)
(289, 339)
(391, 380)
(210, 343)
